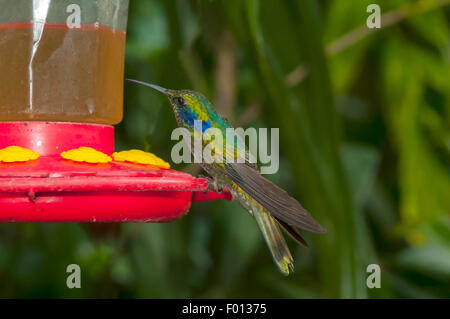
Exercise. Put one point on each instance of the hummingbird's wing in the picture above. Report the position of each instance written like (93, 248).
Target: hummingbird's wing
(292, 232)
(282, 206)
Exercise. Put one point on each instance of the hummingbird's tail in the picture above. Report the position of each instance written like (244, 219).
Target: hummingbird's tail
(274, 239)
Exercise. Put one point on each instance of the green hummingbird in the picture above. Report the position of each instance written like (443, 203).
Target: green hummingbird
(267, 203)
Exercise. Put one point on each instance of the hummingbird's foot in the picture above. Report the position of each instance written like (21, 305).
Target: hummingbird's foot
(212, 184)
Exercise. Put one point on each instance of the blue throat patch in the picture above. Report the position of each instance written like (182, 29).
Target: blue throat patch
(189, 116)
(206, 125)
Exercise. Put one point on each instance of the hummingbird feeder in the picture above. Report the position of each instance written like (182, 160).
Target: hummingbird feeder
(61, 92)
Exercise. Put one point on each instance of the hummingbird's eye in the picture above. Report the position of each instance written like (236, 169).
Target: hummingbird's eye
(180, 101)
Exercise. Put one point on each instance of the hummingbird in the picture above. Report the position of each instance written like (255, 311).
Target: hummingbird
(270, 205)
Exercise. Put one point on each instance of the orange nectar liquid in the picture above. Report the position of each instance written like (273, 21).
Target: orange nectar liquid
(69, 75)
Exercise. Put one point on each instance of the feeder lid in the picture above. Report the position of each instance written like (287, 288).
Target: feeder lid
(50, 188)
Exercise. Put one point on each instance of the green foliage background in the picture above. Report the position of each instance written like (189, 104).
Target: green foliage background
(364, 121)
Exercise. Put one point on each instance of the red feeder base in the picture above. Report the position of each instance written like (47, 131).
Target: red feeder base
(51, 189)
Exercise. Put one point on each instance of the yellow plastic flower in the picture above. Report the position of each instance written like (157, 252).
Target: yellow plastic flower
(140, 157)
(12, 154)
(86, 154)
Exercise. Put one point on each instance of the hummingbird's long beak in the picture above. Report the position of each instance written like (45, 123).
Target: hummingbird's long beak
(153, 86)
